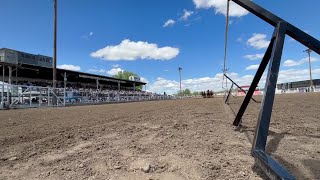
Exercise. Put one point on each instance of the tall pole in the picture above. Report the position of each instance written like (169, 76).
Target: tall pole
(310, 69)
(54, 70)
(180, 69)
(226, 45)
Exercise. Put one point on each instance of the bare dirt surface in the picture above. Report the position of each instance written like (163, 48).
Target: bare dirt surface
(162, 140)
(294, 134)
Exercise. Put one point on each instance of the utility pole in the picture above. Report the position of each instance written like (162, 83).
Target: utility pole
(311, 81)
(180, 69)
(54, 69)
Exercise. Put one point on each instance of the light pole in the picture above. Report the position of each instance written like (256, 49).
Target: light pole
(310, 70)
(54, 70)
(180, 69)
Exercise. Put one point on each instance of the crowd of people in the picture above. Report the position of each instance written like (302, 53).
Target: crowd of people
(74, 95)
(84, 93)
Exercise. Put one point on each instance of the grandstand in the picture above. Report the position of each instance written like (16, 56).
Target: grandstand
(30, 69)
(298, 86)
(27, 79)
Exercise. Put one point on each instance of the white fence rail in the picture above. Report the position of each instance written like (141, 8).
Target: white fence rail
(18, 96)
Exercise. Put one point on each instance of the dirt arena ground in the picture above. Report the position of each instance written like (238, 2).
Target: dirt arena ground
(163, 140)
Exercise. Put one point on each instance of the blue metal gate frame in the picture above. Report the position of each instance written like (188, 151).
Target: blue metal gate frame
(272, 168)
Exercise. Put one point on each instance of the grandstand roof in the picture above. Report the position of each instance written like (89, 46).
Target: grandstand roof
(41, 72)
(44, 73)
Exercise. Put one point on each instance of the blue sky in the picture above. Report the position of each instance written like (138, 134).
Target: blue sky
(154, 38)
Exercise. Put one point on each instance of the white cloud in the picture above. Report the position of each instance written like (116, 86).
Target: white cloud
(169, 22)
(130, 51)
(111, 72)
(196, 84)
(253, 67)
(69, 67)
(186, 14)
(258, 41)
(114, 71)
(115, 65)
(239, 39)
(87, 36)
(220, 7)
(290, 63)
(254, 56)
(214, 83)
(144, 80)
(292, 75)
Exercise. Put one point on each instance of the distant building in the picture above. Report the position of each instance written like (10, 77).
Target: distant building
(298, 86)
(11, 56)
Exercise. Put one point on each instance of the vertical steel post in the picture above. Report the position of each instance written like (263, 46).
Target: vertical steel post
(262, 128)
(30, 102)
(64, 90)
(54, 69)
(2, 94)
(180, 80)
(97, 83)
(226, 44)
(9, 83)
(48, 89)
(119, 91)
(310, 69)
(10, 75)
(54, 73)
(16, 74)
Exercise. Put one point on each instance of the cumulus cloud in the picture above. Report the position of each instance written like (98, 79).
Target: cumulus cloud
(130, 51)
(220, 7)
(258, 41)
(114, 71)
(253, 67)
(69, 67)
(169, 22)
(186, 14)
(292, 75)
(110, 72)
(254, 56)
(196, 84)
(161, 85)
(290, 63)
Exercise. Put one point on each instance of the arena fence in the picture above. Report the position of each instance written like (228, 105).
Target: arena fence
(234, 91)
(19, 96)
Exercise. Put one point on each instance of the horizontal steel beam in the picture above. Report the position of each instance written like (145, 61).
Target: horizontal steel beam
(272, 19)
(271, 167)
(245, 92)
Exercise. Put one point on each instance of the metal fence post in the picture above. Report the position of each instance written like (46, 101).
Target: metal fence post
(48, 90)
(30, 103)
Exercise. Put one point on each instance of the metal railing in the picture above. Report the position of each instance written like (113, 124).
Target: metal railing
(19, 96)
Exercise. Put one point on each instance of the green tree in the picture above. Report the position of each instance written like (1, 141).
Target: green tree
(125, 75)
(195, 93)
(187, 92)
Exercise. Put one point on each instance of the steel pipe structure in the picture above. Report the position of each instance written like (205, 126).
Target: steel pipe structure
(272, 56)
